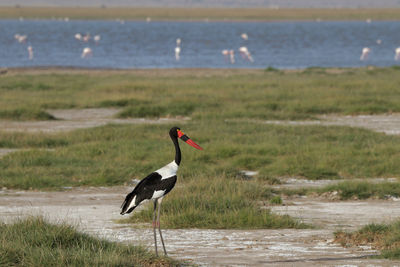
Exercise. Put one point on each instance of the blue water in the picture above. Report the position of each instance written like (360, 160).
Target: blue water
(137, 44)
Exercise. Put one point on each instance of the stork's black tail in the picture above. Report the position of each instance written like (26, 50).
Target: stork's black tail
(129, 203)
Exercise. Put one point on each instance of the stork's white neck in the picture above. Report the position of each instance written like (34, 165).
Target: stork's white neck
(168, 170)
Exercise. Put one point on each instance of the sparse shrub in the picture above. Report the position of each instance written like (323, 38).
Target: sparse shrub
(276, 200)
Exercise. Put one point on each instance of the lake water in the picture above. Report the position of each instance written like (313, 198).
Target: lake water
(136, 44)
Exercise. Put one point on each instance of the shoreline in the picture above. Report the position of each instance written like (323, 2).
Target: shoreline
(173, 71)
(206, 20)
(202, 14)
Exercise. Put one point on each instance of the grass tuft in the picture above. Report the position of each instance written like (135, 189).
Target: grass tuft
(217, 203)
(35, 242)
(25, 114)
(384, 237)
(364, 190)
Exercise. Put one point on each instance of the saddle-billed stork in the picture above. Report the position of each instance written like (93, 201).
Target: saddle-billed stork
(157, 184)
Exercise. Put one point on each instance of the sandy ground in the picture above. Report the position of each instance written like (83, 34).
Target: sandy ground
(95, 211)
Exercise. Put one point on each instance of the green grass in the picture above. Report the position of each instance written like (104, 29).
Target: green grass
(115, 154)
(35, 242)
(384, 237)
(26, 114)
(226, 109)
(222, 104)
(231, 94)
(247, 14)
(217, 203)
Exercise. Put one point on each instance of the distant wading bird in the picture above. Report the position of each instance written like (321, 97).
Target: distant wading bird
(365, 52)
(229, 55)
(397, 54)
(30, 52)
(86, 52)
(178, 49)
(246, 53)
(157, 184)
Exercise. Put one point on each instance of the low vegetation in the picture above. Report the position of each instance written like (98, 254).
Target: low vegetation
(248, 14)
(35, 242)
(205, 94)
(364, 190)
(383, 237)
(115, 154)
(227, 110)
(346, 190)
(221, 204)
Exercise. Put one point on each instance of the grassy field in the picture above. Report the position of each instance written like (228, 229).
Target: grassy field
(204, 94)
(35, 242)
(224, 106)
(247, 14)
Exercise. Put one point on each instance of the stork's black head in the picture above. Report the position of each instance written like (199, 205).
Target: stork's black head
(176, 133)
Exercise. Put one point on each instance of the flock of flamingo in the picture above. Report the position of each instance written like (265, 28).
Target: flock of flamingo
(87, 51)
(366, 51)
(229, 54)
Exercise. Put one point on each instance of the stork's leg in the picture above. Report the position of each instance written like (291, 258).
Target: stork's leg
(154, 226)
(159, 227)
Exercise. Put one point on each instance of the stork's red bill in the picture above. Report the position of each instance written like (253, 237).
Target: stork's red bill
(187, 140)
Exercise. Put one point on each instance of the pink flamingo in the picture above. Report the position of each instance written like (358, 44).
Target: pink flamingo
(30, 52)
(397, 54)
(177, 52)
(225, 52)
(246, 53)
(87, 51)
(97, 38)
(78, 36)
(20, 38)
(365, 52)
(178, 49)
(86, 37)
(232, 56)
(229, 55)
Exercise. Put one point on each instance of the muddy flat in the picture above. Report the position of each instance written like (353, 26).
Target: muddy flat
(385, 123)
(71, 119)
(95, 211)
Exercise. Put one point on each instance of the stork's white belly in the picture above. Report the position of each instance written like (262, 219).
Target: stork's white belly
(158, 194)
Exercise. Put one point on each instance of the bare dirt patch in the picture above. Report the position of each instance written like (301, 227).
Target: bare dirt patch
(385, 123)
(296, 183)
(95, 210)
(5, 151)
(71, 119)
